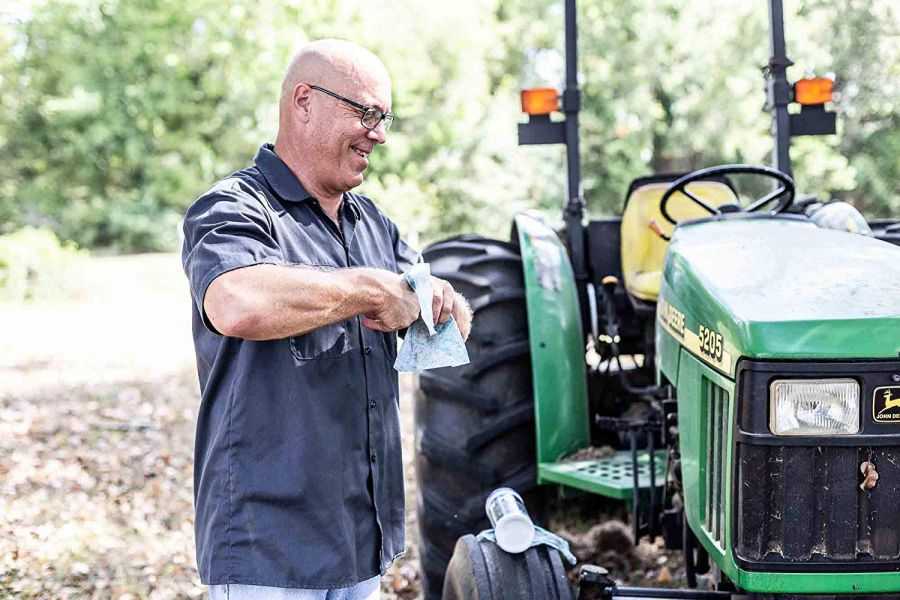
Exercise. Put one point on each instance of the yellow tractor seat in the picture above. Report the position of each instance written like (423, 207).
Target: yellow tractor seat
(643, 250)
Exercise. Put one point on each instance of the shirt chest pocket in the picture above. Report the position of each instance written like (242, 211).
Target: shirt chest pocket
(326, 342)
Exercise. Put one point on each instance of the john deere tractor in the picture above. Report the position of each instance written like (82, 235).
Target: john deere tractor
(742, 359)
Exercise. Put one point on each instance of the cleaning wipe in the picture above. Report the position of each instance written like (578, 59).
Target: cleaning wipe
(426, 345)
(418, 277)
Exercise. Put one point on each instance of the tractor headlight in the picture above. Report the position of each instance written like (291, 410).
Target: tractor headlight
(814, 407)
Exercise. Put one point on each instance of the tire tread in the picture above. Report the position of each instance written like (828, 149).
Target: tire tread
(471, 421)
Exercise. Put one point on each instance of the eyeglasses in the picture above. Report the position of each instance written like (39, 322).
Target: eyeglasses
(370, 116)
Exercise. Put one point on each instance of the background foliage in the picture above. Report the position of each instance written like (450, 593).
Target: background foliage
(115, 114)
(34, 265)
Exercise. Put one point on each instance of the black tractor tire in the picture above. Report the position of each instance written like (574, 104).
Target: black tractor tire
(480, 570)
(474, 427)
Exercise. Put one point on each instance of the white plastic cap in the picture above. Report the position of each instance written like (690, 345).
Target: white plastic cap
(515, 533)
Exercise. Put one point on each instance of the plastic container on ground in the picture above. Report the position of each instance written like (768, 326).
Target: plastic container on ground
(507, 513)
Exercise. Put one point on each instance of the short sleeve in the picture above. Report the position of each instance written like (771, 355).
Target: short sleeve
(225, 229)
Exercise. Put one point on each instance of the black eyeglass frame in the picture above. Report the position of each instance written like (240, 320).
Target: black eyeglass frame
(387, 117)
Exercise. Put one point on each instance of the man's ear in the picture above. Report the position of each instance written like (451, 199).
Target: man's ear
(301, 101)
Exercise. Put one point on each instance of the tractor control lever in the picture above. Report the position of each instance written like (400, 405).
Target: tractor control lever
(655, 228)
(592, 309)
(609, 283)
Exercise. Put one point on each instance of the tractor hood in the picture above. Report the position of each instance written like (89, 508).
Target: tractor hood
(780, 288)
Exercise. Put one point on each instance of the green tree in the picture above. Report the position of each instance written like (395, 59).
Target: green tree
(671, 86)
(116, 114)
(122, 112)
(863, 39)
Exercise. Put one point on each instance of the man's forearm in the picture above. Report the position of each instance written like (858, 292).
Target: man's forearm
(265, 302)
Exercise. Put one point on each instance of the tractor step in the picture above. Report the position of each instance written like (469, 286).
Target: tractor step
(611, 476)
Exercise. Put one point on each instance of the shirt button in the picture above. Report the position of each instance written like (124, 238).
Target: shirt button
(371, 404)
(372, 458)
(367, 350)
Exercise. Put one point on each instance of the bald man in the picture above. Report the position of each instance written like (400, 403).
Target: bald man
(297, 299)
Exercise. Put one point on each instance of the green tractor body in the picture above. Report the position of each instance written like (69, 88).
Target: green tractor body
(556, 341)
(750, 299)
(778, 288)
(742, 363)
(744, 303)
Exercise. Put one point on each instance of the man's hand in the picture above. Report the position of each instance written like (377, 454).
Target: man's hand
(462, 312)
(398, 306)
(442, 300)
(447, 302)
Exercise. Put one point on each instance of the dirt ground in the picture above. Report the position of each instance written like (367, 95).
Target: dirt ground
(98, 404)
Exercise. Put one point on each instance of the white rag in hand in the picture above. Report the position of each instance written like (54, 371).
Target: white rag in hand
(427, 346)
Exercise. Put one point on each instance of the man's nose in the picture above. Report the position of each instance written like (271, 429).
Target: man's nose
(379, 134)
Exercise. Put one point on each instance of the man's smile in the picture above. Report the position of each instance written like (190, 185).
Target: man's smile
(359, 151)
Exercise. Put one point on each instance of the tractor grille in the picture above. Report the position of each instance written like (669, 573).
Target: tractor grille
(717, 429)
(803, 504)
(798, 505)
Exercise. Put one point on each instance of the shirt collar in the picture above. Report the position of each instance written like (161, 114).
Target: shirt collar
(285, 183)
(279, 175)
(349, 200)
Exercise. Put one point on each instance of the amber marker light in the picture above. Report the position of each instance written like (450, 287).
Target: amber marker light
(815, 90)
(540, 101)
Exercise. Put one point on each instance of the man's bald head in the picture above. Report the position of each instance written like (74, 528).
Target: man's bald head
(338, 65)
(321, 137)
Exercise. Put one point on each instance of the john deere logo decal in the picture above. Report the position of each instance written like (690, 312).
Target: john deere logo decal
(706, 344)
(886, 404)
(671, 317)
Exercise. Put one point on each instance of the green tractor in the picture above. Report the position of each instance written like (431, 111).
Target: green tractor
(743, 360)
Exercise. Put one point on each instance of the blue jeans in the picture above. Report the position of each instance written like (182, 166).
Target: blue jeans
(370, 589)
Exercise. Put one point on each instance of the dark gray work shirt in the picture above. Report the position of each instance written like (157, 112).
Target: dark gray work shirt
(298, 479)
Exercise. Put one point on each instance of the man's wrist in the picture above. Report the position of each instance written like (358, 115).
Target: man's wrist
(367, 289)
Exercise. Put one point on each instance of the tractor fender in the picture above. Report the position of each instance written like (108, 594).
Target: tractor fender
(556, 341)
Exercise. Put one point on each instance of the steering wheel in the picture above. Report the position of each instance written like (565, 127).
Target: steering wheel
(784, 193)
